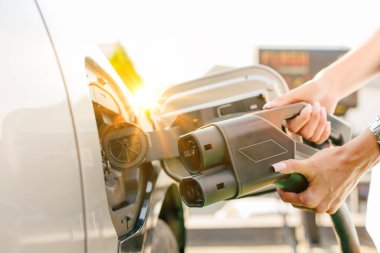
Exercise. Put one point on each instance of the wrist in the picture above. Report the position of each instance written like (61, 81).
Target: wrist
(360, 154)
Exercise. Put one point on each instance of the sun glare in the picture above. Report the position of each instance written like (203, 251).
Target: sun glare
(145, 99)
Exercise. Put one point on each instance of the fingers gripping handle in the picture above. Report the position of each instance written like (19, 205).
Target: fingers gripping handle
(344, 227)
(340, 130)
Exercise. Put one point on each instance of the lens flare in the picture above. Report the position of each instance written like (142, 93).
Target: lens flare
(145, 99)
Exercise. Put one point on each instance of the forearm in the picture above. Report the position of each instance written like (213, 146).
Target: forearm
(354, 69)
(360, 154)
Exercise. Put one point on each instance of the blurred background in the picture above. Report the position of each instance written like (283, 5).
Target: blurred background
(163, 43)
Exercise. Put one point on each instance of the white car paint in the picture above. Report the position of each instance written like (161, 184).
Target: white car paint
(40, 199)
(52, 196)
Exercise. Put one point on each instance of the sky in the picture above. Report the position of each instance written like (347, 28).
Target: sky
(175, 41)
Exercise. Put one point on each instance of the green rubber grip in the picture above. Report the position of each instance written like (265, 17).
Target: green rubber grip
(293, 183)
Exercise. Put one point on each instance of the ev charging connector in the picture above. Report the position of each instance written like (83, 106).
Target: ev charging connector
(233, 158)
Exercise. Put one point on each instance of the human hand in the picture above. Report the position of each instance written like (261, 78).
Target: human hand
(332, 173)
(312, 122)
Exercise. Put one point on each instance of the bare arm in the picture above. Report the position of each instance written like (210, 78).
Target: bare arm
(354, 69)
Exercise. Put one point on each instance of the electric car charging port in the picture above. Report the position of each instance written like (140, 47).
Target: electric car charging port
(123, 147)
(135, 185)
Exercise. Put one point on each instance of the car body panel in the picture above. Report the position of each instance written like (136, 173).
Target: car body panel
(40, 199)
(72, 47)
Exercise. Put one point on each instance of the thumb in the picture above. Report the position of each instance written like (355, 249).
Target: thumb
(290, 166)
(289, 98)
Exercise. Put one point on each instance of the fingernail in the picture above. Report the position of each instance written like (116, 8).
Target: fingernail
(269, 105)
(279, 166)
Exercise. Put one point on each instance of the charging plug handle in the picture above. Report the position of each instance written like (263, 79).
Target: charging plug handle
(293, 183)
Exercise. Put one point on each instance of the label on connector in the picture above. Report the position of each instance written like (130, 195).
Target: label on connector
(263, 150)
